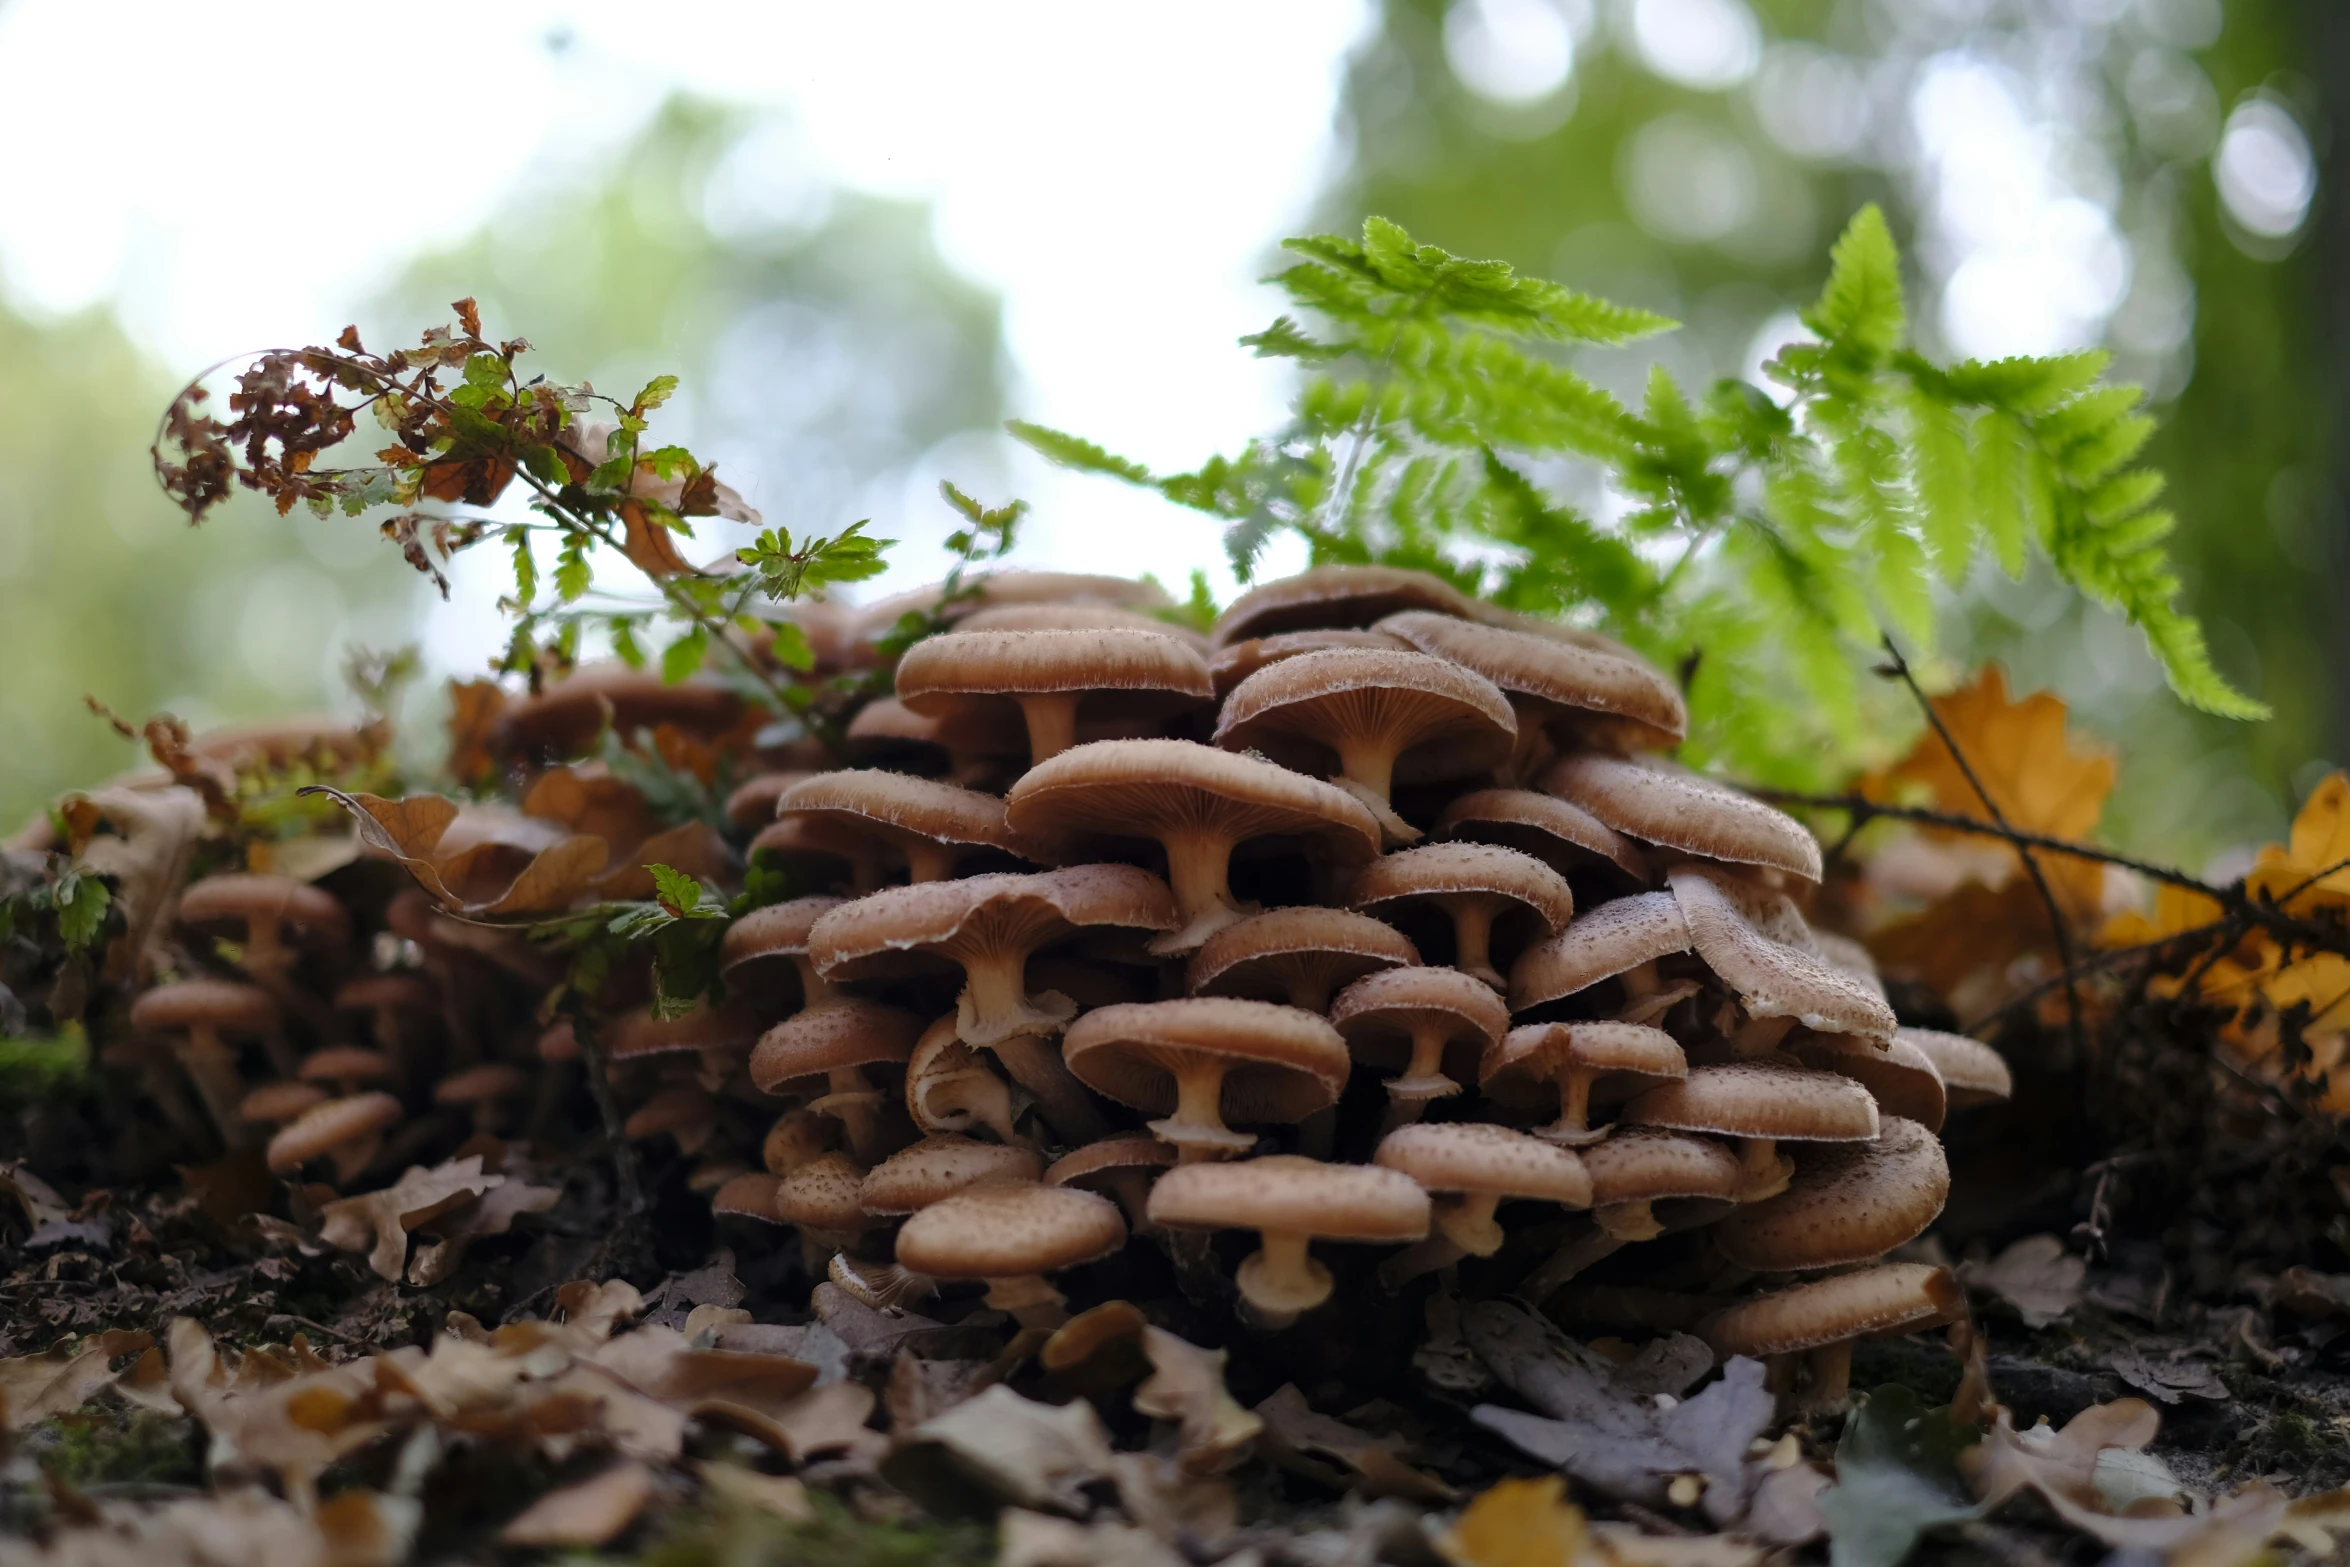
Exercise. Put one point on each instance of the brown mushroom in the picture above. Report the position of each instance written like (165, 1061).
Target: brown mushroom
(680, 1111)
(1290, 1202)
(273, 917)
(767, 952)
(1848, 1203)
(1075, 616)
(939, 1166)
(716, 1036)
(984, 590)
(1196, 803)
(1050, 675)
(1622, 939)
(1337, 597)
(747, 1196)
(932, 828)
(798, 1135)
(565, 718)
(1418, 1022)
(1972, 1072)
(1660, 804)
(1583, 1060)
(1475, 886)
(1234, 663)
(347, 1131)
(1206, 1061)
(823, 1199)
(1468, 1168)
(1777, 984)
(1368, 709)
(1762, 1104)
(1822, 1320)
(950, 1087)
(1011, 1236)
(1898, 1075)
(837, 1042)
(483, 1093)
(202, 1014)
(1637, 1168)
(1555, 688)
(1301, 956)
(274, 1104)
(752, 804)
(1121, 1166)
(965, 746)
(1565, 837)
(393, 1003)
(346, 1068)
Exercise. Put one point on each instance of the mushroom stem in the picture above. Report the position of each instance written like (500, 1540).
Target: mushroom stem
(1199, 869)
(1281, 1279)
(1569, 1260)
(995, 1004)
(1639, 981)
(1573, 1127)
(1762, 1171)
(852, 1102)
(1030, 1300)
(1437, 1251)
(1629, 1221)
(1368, 761)
(1037, 1066)
(1197, 1127)
(882, 1285)
(815, 989)
(1534, 747)
(212, 1067)
(1472, 915)
(1422, 1078)
(1760, 1036)
(1052, 723)
(1828, 1379)
(864, 867)
(1467, 1221)
(929, 860)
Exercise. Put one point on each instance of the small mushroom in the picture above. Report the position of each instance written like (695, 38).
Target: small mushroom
(1822, 1320)
(1369, 708)
(1661, 804)
(1622, 939)
(274, 1104)
(1061, 616)
(1121, 1166)
(348, 1131)
(838, 1042)
(1779, 985)
(716, 1036)
(1232, 664)
(1476, 887)
(347, 1068)
(1290, 1202)
(484, 1092)
(680, 1111)
(394, 1004)
(1631, 1172)
(1972, 1072)
(1582, 1059)
(1761, 1104)
(1197, 804)
(274, 917)
(950, 1087)
(823, 1200)
(766, 951)
(1468, 1168)
(1565, 837)
(1848, 1202)
(565, 718)
(1050, 675)
(1337, 597)
(965, 747)
(932, 828)
(1011, 1236)
(752, 804)
(747, 1196)
(798, 1135)
(1205, 1061)
(939, 1166)
(1422, 1021)
(1301, 956)
(202, 1014)
(1898, 1075)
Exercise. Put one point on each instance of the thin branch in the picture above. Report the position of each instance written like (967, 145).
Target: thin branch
(1865, 810)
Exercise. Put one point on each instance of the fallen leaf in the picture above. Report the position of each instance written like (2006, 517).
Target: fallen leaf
(999, 1448)
(36, 1198)
(822, 1420)
(921, 1389)
(1625, 1545)
(2313, 1294)
(378, 1222)
(2035, 1275)
(2171, 1379)
(1187, 1386)
(1897, 1476)
(592, 1512)
(1517, 1523)
(493, 1213)
(2056, 1463)
(412, 830)
(2018, 750)
(783, 1495)
(1026, 1539)
(69, 1375)
(1294, 1433)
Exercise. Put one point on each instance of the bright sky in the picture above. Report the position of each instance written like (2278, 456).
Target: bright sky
(1053, 136)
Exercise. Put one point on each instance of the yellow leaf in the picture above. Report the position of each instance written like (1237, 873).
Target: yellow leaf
(1518, 1523)
(2308, 868)
(2020, 753)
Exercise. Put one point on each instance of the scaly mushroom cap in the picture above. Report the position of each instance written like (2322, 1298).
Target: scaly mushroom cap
(730, 1027)
(1847, 956)
(778, 932)
(345, 1063)
(1004, 1232)
(200, 1003)
(1231, 665)
(1378, 1013)
(1760, 1099)
(1613, 938)
(484, 1084)
(1289, 1195)
(1281, 1064)
(822, 1195)
(234, 899)
(1075, 617)
(1337, 597)
(899, 810)
(275, 1102)
(1649, 1164)
(1342, 699)
(1847, 1204)
(402, 992)
(1001, 911)
(1772, 978)
(1539, 1051)
(1283, 954)
(1476, 886)
(1899, 1297)
(752, 804)
(1637, 699)
(824, 1039)
(323, 1128)
(939, 1166)
(1898, 1075)
(571, 711)
(1663, 805)
(747, 1196)
(680, 1111)
(1470, 1156)
(939, 673)
(1972, 1072)
(798, 1135)
(1126, 1151)
(1561, 835)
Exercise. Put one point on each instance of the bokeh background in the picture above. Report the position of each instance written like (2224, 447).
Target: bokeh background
(865, 235)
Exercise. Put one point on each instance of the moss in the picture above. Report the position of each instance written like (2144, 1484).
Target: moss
(835, 1537)
(44, 1071)
(137, 1447)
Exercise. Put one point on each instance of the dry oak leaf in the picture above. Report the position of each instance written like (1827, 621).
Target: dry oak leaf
(378, 1222)
(2056, 1463)
(2035, 1275)
(67, 1376)
(263, 1413)
(999, 1448)
(783, 1495)
(471, 868)
(1295, 1437)
(493, 1213)
(241, 1528)
(1186, 1386)
(2308, 870)
(591, 1512)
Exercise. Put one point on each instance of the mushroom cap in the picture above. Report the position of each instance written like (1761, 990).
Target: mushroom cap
(939, 1166)
(1772, 978)
(750, 1195)
(336, 1063)
(997, 911)
(1664, 805)
(1146, 788)
(1847, 956)
(492, 1080)
(238, 897)
(216, 1003)
(1972, 1072)
(1289, 1195)
(797, 1136)
(780, 930)
(1235, 663)
(1898, 1075)
(887, 726)
(1607, 940)
(1899, 1297)
(1544, 1050)
(1543, 825)
(571, 711)
(273, 1102)
(638, 1033)
(1380, 1008)
(1846, 1204)
(1255, 957)
(1337, 597)
(752, 804)
(1452, 720)
(1075, 616)
(1650, 1164)
(891, 804)
(557, 1042)
(1436, 870)
(845, 1033)
(678, 1109)
(325, 1127)
(1004, 1232)
(1561, 674)
(938, 671)
(409, 992)
(1124, 1151)
(1014, 587)
(823, 1194)
(1760, 1099)
(1470, 1156)
(1281, 1064)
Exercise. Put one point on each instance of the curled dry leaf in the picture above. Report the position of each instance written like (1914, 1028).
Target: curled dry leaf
(2057, 1463)
(2035, 1275)
(493, 1213)
(69, 1375)
(1000, 1449)
(556, 875)
(1187, 1386)
(263, 1414)
(1295, 1438)
(378, 1222)
(783, 1495)
(591, 1512)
